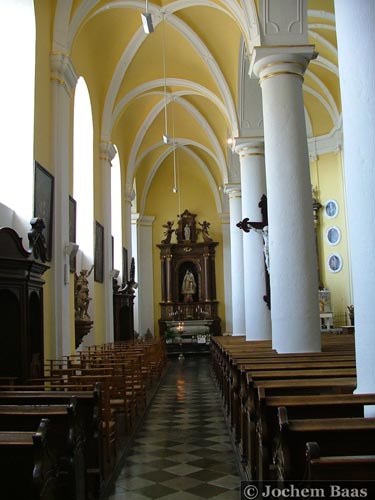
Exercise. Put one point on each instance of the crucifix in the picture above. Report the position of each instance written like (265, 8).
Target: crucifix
(262, 228)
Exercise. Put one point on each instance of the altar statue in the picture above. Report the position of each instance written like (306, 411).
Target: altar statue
(189, 286)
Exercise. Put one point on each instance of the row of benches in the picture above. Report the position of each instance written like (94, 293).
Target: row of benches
(61, 437)
(294, 416)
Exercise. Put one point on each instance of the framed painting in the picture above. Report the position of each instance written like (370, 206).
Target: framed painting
(43, 202)
(124, 266)
(99, 253)
(72, 230)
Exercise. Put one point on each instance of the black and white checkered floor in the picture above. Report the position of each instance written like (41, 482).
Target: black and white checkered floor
(183, 450)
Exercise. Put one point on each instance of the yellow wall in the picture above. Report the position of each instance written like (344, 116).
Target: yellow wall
(327, 177)
(196, 196)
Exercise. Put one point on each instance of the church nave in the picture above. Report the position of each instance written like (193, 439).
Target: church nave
(183, 450)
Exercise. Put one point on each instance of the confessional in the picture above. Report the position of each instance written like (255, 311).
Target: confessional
(21, 309)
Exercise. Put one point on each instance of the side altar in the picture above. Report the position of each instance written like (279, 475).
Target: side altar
(188, 282)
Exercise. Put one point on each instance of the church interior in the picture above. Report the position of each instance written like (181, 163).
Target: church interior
(186, 236)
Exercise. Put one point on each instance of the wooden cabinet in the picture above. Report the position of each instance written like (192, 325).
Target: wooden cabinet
(21, 309)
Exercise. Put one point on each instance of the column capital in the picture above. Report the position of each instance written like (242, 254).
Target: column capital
(270, 61)
(129, 193)
(143, 220)
(63, 71)
(248, 146)
(107, 151)
(233, 190)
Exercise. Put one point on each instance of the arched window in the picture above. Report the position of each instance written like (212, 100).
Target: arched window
(116, 211)
(17, 41)
(83, 182)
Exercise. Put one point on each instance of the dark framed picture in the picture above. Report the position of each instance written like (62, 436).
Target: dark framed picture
(43, 202)
(72, 230)
(99, 253)
(124, 266)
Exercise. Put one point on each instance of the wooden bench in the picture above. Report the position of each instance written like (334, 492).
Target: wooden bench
(28, 470)
(354, 468)
(298, 407)
(88, 411)
(336, 437)
(65, 439)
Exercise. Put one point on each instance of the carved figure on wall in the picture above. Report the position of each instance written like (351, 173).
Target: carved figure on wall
(205, 227)
(264, 233)
(81, 294)
(189, 286)
(168, 233)
(187, 232)
(37, 240)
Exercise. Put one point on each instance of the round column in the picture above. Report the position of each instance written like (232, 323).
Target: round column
(358, 111)
(253, 187)
(293, 262)
(238, 302)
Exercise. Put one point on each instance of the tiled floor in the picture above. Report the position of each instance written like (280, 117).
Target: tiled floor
(183, 450)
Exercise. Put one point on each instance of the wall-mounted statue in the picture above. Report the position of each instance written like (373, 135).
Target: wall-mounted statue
(82, 294)
(37, 241)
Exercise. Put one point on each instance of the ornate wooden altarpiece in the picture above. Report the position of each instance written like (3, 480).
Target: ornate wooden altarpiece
(192, 254)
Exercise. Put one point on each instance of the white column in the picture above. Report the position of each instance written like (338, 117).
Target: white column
(144, 310)
(293, 262)
(253, 187)
(357, 74)
(107, 153)
(238, 303)
(225, 229)
(128, 197)
(64, 79)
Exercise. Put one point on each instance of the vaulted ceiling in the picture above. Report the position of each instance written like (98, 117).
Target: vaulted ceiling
(183, 79)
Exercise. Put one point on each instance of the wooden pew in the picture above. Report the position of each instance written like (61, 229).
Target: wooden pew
(336, 437)
(88, 410)
(245, 376)
(298, 407)
(65, 441)
(354, 468)
(28, 470)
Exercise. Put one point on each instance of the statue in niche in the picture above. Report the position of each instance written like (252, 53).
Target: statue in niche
(189, 286)
(187, 232)
(205, 227)
(168, 233)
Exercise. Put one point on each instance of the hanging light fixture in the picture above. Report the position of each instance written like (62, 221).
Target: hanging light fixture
(166, 138)
(146, 17)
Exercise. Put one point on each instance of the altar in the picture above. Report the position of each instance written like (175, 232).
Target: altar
(188, 337)
(188, 284)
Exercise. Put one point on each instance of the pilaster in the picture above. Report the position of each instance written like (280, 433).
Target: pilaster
(63, 80)
(237, 267)
(107, 153)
